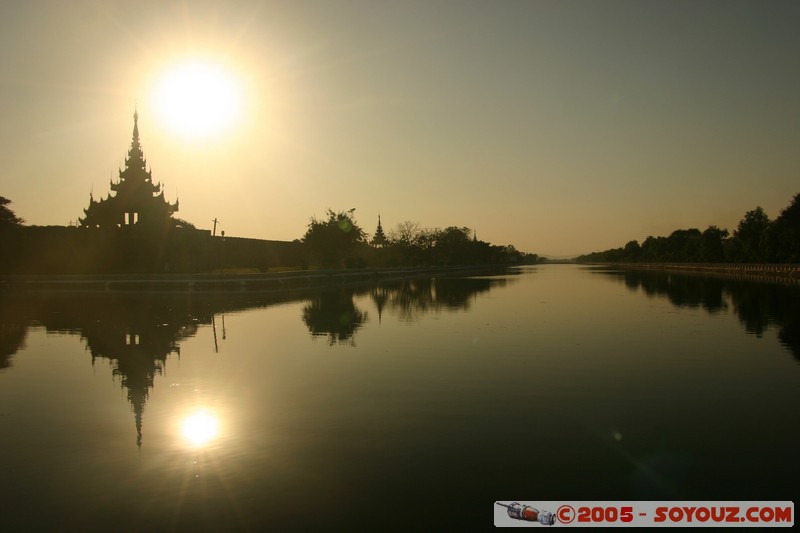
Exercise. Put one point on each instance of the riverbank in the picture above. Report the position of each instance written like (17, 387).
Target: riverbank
(273, 281)
(755, 272)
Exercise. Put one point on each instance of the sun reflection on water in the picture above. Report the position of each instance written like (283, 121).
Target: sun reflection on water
(200, 428)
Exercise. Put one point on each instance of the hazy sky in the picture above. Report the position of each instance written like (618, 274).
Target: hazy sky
(561, 127)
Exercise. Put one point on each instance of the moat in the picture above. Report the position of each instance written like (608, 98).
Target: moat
(392, 403)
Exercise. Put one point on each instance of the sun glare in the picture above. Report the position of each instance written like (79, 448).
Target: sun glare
(198, 99)
(200, 428)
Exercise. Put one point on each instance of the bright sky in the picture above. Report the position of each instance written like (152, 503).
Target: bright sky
(561, 127)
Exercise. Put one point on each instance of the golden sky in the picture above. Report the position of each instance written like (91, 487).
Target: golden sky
(561, 127)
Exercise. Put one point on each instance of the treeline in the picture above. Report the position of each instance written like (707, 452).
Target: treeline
(757, 239)
(338, 241)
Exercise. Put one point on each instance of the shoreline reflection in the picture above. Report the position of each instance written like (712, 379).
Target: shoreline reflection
(757, 305)
(334, 313)
(137, 333)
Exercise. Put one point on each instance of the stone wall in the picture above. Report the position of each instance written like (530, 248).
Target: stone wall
(125, 250)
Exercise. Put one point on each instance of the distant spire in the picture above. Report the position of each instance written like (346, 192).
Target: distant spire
(380, 238)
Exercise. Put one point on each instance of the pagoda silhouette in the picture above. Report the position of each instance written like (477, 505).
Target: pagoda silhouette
(137, 201)
(379, 239)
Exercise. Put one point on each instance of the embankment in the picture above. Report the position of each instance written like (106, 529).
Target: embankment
(267, 282)
(754, 272)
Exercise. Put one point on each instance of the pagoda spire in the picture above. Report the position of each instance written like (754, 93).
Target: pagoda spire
(135, 125)
(380, 238)
(135, 157)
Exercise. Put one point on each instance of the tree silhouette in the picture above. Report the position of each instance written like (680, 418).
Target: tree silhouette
(712, 245)
(749, 239)
(180, 223)
(454, 246)
(333, 313)
(784, 240)
(406, 233)
(333, 242)
(7, 216)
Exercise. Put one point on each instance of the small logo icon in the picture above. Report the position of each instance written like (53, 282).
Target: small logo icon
(565, 514)
(529, 514)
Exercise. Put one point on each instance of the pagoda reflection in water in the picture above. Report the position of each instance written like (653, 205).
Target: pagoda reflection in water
(137, 332)
(137, 338)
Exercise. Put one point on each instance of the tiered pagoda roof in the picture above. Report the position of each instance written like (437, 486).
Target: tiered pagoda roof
(137, 200)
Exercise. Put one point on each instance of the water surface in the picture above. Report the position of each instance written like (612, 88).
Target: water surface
(396, 405)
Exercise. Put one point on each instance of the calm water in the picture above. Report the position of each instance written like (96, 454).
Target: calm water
(409, 404)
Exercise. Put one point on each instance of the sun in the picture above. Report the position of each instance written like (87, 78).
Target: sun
(198, 99)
